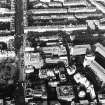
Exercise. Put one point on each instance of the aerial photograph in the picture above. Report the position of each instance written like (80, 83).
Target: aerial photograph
(52, 52)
